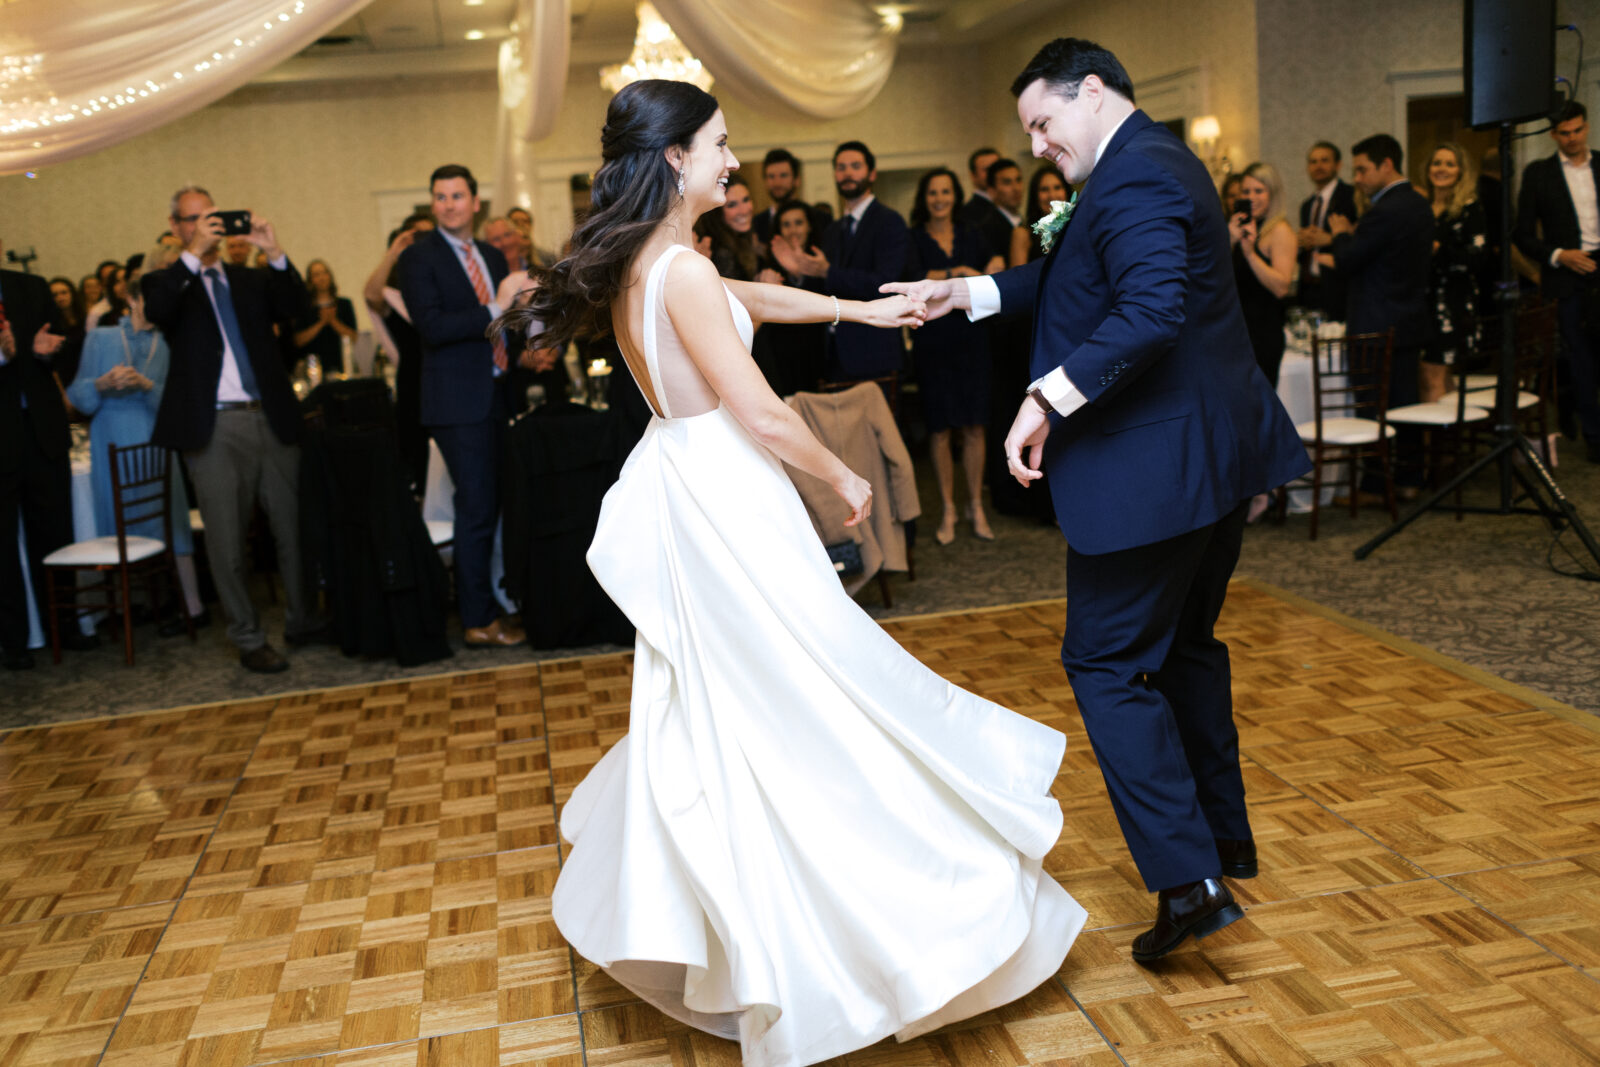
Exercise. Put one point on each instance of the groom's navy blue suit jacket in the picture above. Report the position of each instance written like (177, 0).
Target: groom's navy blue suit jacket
(1136, 303)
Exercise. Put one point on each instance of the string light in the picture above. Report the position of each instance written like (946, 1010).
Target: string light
(27, 104)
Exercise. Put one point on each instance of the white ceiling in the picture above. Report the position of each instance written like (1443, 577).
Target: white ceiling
(398, 37)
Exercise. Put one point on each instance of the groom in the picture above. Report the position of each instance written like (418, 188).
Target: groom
(1156, 428)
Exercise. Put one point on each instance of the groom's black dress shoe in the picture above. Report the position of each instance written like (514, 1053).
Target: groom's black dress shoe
(1238, 858)
(1199, 908)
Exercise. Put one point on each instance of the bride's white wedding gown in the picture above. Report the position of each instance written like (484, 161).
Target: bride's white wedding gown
(807, 841)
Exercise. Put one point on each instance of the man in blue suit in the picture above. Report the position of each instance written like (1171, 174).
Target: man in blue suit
(1156, 429)
(449, 280)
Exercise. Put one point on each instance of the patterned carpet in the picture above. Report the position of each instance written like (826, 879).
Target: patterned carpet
(1480, 591)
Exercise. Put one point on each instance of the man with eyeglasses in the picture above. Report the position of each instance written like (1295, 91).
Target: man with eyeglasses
(229, 408)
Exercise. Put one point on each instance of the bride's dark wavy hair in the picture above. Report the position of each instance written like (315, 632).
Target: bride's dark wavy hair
(631, 193)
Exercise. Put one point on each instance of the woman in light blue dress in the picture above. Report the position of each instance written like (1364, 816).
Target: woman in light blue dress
(118, 385)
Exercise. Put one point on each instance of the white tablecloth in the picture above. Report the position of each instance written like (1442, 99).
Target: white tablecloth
(83, 529)
(439, 503)
(1296, 390)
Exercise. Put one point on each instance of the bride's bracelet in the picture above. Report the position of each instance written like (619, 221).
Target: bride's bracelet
(835, 310)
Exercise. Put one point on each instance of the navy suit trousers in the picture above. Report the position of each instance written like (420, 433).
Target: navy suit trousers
(1154, 688)
(471, 453)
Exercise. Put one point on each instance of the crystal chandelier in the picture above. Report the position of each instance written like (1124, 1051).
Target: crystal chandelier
(657, 53)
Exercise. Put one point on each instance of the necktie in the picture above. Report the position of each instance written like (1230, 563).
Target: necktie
(849, 228)
(481, 287)
(230, 326)
(1316, 224)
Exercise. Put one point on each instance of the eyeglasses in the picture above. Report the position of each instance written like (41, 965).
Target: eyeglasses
(187, 218)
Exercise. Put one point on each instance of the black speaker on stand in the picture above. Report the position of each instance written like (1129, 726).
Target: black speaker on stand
(1509, 67)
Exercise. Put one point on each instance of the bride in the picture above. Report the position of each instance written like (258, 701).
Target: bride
(807, 841)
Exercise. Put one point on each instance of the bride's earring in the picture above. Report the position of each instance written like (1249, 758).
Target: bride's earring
(680, 180)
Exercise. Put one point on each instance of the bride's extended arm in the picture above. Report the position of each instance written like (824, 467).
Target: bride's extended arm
(783, 303)
(699, 312)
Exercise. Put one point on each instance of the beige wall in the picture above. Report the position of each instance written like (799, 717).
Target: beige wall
(1185, 58)
(335, 165)
(1344, 71)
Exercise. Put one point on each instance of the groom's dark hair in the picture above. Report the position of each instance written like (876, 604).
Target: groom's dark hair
(1066, 61)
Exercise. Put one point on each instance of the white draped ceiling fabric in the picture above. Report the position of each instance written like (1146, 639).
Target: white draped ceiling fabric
(533, 77)
(826, 59)
(80, 75)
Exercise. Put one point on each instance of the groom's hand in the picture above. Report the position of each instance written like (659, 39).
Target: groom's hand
(941, 296)
(1025, 442)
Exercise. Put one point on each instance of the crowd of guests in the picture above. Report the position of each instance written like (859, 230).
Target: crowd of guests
(191, 344)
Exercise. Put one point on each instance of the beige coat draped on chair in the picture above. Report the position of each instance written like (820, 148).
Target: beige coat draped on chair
(857, 426)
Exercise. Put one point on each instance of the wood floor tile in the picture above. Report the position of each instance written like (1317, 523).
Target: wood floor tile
(366, 959)
(362, 877)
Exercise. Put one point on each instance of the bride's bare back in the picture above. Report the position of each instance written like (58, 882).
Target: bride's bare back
(671, 383)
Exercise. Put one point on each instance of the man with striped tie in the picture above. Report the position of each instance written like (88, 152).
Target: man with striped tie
(449, 280)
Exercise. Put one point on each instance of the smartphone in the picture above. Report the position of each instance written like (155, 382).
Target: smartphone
(1241, 206)
(234, 223)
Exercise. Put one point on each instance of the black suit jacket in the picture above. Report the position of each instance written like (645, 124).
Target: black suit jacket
(175, 299)
(1325, 291)
(1385, 263)
(457, 359)
(878, 252)
(981, 214)
(1546, 220)
(28, 307)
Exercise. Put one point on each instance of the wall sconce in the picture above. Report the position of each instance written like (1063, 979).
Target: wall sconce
(1205, 131)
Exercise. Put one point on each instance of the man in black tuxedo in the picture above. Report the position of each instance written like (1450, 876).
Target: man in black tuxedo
(781, 174)
(1558, 227)
(229, 408)
(1385, 260)
(867, 246)
(35, 478)
(1006, 190)
(449, 281)
(1321, 287)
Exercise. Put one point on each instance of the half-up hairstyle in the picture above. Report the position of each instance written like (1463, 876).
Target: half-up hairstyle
(632, 192)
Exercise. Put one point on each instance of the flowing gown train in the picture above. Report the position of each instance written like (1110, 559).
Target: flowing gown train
(807, 841)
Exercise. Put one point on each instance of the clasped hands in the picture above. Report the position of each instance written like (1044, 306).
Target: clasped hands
(122, 378)
(797, 260)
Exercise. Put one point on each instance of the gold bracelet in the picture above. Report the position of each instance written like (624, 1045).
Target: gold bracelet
(835, 310)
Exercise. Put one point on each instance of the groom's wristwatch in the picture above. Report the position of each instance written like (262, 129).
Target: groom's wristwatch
(1038, 398)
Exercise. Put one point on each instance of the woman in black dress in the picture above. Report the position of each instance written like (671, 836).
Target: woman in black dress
(1460, 249)
(794, 355)
(1264, 251)
(727, 234)
(1045, 187)
(952, 353)
(328, 320)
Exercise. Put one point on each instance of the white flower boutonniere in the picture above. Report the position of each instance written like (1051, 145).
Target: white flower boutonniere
(1049, 228)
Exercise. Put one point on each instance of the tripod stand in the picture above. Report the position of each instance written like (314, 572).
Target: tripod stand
(1548, 500)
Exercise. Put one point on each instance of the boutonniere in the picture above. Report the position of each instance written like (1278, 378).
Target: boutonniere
(1049, 228)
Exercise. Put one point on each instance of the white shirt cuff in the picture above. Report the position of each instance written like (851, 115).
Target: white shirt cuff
(1555, 258)
(281, 263)
(984, 297)
(190, 260)
(1060, 392)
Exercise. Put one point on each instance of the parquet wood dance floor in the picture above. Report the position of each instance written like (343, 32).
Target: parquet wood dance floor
(361, 877)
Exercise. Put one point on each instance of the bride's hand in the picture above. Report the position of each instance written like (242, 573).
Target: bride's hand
(894, 311)
(856, 492)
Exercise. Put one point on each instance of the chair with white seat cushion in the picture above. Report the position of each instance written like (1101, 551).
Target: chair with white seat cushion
(141, 494)
(1350, 391)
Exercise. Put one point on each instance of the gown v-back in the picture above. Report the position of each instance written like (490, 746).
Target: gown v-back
(807, 841)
